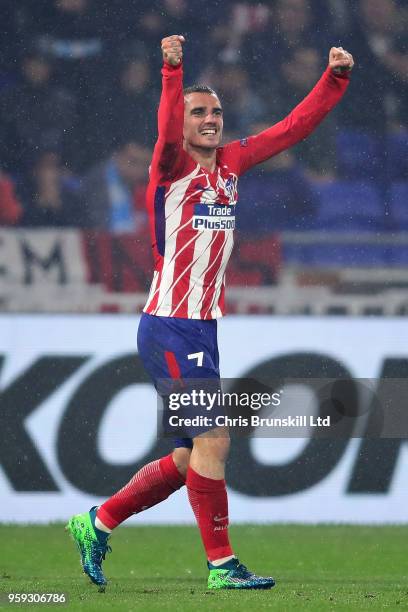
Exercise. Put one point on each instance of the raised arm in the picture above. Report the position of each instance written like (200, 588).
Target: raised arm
(304, 118)
(169, 145)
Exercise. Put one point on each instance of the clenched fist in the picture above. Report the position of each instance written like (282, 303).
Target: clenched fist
(340, 60)
(172, 49)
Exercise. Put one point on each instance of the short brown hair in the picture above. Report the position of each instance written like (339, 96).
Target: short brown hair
(199, 89)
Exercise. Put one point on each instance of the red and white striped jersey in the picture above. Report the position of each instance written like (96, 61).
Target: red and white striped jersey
(192, 211)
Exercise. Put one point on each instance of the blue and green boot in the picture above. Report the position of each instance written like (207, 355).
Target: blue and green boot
(92, 545)
(234, 575)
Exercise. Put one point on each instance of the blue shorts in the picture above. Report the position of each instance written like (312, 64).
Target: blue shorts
(174, 348)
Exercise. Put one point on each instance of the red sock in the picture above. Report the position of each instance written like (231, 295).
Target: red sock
(150, 485)
(208, 499)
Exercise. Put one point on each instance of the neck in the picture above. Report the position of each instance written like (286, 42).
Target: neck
(207, 158)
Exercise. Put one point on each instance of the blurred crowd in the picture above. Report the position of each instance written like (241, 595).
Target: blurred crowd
(80, 84)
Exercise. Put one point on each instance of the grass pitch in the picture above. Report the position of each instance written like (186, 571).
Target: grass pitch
(163, 568)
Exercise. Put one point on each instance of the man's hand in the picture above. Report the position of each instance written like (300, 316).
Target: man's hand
(340, 60)
(172, 49)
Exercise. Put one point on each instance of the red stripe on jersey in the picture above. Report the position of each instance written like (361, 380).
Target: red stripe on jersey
(172, 364)
(217, 251)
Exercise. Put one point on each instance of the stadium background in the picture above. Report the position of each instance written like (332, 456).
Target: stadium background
(319, 271)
